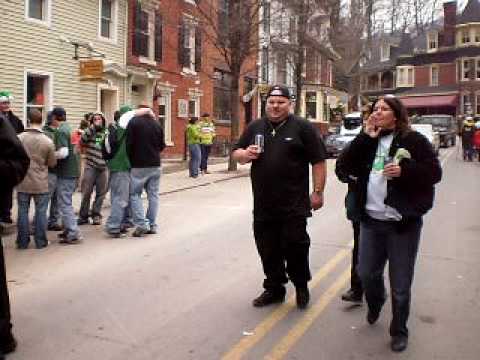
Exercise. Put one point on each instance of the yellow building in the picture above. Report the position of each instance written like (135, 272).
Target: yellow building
(44, 42)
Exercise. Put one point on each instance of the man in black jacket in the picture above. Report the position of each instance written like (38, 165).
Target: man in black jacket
(16, 123)
(396, 170)
(14, 163)
(145, 141)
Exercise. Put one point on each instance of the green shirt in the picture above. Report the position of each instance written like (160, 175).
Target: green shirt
(120, 161)
(68, 167)
(193, 134)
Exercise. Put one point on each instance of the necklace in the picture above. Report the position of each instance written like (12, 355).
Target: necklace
(274, 130)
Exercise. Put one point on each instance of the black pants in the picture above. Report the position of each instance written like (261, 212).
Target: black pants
(5, 324)
(283, 246)
(355, 282)
(6, 204)
(396, 242)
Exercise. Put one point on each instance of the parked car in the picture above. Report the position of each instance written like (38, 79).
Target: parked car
(335, 143)
(432, 136)
(445, 125)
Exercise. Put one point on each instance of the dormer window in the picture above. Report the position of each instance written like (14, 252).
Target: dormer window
(432, 41)
(465, 36)
(385, 52)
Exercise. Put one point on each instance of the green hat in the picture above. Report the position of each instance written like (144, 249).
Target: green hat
(5, 96)
(124, 109)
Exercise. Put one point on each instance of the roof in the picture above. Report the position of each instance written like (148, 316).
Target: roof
(470, 14)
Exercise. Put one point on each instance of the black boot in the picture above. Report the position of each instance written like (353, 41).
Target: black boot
(269, 297)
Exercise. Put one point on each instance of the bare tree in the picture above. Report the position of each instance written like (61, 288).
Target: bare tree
(231, 26)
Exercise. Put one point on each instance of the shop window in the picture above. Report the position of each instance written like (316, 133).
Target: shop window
(38, 96)
(311, 105)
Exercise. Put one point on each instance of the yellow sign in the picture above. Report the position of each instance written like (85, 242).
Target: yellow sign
(91, 69)
(263, 88)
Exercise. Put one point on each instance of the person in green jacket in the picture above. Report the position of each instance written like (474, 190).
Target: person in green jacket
(193, 141)
(119, 166)
(207, 135)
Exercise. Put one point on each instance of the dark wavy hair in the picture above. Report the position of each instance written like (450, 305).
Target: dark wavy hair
(400, 112)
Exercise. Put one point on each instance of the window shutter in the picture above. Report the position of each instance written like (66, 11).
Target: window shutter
(198, 48)
(181, 44)
(158, 37)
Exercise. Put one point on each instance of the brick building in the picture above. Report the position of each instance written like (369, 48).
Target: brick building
(173, 67)
(437, 71)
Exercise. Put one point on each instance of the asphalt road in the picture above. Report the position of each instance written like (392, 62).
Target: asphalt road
(186, 293)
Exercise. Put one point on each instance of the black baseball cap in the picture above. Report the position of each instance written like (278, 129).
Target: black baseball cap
(59, 112)
(279, 90)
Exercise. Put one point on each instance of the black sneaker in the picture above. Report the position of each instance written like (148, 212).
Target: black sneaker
(82, 221)
(373, 315)
(55, 227)
(399, 343)
(303, 297)
(352, 296)
(268, 297)
(152, 231)
(139, 232)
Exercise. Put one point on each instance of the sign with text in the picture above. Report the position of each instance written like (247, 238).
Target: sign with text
(91, 69)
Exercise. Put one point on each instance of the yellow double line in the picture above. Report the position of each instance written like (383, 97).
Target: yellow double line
(282, 347)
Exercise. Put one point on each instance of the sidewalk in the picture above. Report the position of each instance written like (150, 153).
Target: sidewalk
(174, 179)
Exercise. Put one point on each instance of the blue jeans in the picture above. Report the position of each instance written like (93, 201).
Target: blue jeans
(194, 162)
(119, 196)
(205, 149)
(148, 179)
(54, 214)
(40, 219)
(65, 189)
(396, 242)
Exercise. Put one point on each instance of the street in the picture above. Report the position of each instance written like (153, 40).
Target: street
(186, 292)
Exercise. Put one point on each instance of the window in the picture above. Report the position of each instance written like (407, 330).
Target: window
(190, 46)
(477, 35)
(466, 103)
(385, 52)
(465, 36)
(222, 96)
(311, 105)
(281, 68)
(223, 21)
(142, 33)
(108, 19)
(38, 10)
(477, 62)
(405, 76)
(477, 102)
(37, 93)
(264, 65)
(465, 69)
(266, 18)
(434, 70)
(432, 41)
(165, 115)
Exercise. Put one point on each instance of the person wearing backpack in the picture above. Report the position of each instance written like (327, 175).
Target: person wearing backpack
(115, 153)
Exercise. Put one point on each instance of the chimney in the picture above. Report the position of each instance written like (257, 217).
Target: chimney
(449, 22)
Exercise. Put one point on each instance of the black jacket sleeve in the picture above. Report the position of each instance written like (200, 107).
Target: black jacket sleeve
(14, 161)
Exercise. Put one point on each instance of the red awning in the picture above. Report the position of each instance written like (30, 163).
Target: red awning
(429, 101)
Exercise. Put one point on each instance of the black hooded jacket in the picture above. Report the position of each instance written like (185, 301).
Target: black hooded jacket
(412, 193)
(14, 161)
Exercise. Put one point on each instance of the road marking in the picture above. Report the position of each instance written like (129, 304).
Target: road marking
(278, 314)
(284, 345)
(447, 156)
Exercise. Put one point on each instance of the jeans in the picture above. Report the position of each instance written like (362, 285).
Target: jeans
(98, 178)
(148, 179)
(194, 162)
(54, 215)
(119, 196)
(40, 219)
(205, 149)
(396, 242)
(65, 189)
(355, 282)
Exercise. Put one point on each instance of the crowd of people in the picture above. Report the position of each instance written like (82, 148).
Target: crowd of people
(470, 134)
(390, 170)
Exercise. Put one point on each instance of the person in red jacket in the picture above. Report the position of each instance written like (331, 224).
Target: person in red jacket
(476, 139)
